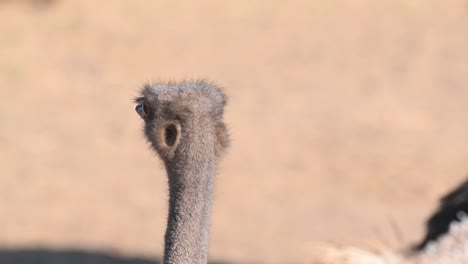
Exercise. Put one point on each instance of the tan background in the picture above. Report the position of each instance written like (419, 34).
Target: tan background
(348, 119)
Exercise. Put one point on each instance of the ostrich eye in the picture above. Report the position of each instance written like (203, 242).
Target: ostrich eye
(142, 110)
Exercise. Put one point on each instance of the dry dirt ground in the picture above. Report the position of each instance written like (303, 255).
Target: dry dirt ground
(348, 118)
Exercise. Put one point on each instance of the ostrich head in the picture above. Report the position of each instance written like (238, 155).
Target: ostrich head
(172, 110)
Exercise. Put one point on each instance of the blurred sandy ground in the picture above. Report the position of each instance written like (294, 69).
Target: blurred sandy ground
(349, 119)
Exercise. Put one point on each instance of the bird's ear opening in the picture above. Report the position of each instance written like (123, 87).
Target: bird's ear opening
(170, 135)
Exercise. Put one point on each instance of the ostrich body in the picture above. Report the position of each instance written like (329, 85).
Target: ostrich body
(183, 123)
(453, 207)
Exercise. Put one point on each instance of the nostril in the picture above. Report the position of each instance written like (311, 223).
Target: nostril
(170, 135)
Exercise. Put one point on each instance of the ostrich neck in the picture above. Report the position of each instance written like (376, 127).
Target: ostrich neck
(191, 177)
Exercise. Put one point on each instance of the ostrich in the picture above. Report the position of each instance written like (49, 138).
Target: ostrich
(183, 123)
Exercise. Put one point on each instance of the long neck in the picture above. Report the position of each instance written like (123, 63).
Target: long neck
(191, 179)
